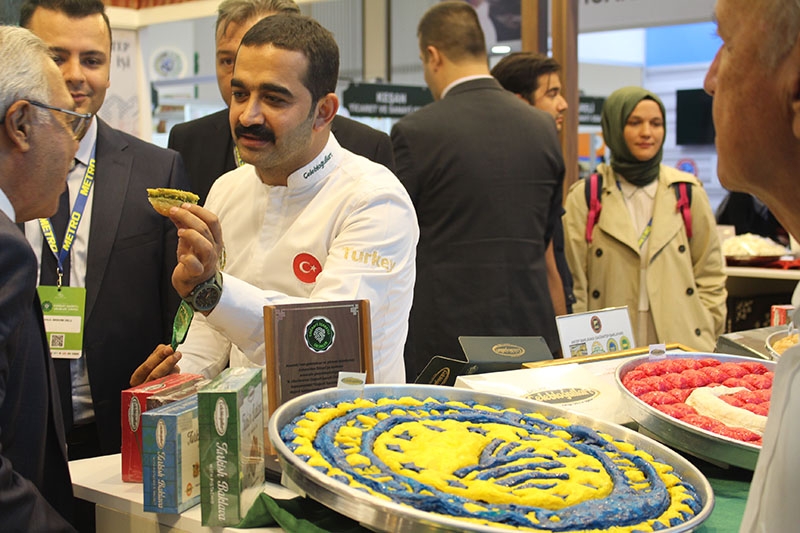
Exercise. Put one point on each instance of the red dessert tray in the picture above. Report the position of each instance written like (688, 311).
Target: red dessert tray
(712, 447)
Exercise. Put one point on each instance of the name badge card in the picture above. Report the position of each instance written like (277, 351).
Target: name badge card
(595, 332)
(64, 312)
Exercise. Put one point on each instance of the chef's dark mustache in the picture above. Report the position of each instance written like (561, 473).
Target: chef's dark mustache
(258, 131)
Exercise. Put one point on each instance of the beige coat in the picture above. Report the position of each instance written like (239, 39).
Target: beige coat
(685, 277)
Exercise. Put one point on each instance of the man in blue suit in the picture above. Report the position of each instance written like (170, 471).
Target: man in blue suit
(37, 143)
(123, 252)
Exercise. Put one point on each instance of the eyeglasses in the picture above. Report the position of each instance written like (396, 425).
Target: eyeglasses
(79, 122)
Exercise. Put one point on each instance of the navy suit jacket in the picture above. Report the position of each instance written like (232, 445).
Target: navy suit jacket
(35, 487)
(206, 145)
(484, 171)
(130, 300)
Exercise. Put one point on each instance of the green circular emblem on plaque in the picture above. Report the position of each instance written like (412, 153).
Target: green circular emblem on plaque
(47, 306)
(319, 334)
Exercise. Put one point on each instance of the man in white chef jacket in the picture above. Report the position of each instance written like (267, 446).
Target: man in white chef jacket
(304, 220)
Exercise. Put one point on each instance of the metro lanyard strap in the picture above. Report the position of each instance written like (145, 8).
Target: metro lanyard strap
(646, 232)
(74, 219)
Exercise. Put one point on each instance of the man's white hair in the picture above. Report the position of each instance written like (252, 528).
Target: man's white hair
(780, 23)
(22, 73)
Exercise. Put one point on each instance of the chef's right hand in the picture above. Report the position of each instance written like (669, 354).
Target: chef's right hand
(199, 247)
(162, 361)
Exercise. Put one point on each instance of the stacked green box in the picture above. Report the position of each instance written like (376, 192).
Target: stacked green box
(231, 445)
(171, 457)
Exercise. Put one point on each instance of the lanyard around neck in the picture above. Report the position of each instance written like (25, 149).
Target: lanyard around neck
(74, 219)
(645, 233)
(647, 229)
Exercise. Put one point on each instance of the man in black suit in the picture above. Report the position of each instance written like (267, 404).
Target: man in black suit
(206, 143)
(37, 144)
(484, 171)
(123, 252)
(534, 79)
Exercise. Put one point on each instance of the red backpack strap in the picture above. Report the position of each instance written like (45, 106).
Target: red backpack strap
(683, 194)
(593, 189)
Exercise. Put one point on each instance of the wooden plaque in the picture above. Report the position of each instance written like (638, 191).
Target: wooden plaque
(308, 344)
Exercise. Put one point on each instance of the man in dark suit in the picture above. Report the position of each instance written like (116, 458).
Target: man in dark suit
(37, 144)
(206, 143)
(484, 171)
(534, 79)
(123, 252)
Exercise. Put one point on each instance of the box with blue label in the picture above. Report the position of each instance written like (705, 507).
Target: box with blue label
(134, 403)
(231, 445)
(171, 457)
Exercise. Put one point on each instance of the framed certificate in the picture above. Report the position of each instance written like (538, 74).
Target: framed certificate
(308, 344)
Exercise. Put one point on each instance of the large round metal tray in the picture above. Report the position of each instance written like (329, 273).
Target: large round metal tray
(773, 338)
(685, 437)
(381, 515)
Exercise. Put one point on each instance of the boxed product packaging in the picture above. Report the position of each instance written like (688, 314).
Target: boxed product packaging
(588, 389)
(160, 399)
(134, 403)
(230, 411)
(780, 315)
(484, 354)
(171, 457)
(585, 385)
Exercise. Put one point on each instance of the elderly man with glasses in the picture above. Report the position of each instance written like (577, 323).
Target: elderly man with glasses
(118, 259)
(78, 122)
(37, 144)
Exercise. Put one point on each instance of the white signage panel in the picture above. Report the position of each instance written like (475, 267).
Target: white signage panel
(595, 332)
(121, 106)
(604, 15)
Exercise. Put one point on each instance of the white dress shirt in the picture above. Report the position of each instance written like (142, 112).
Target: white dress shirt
(6, 207)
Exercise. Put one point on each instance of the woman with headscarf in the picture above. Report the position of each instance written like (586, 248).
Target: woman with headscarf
(639, 253)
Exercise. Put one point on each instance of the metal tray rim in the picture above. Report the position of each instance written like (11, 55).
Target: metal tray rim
(385, 515)
(676, 433)
(770, 340)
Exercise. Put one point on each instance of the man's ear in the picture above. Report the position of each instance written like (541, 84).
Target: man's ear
(18, 124)
(791, 64)
(327, 106)
(433, 56)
